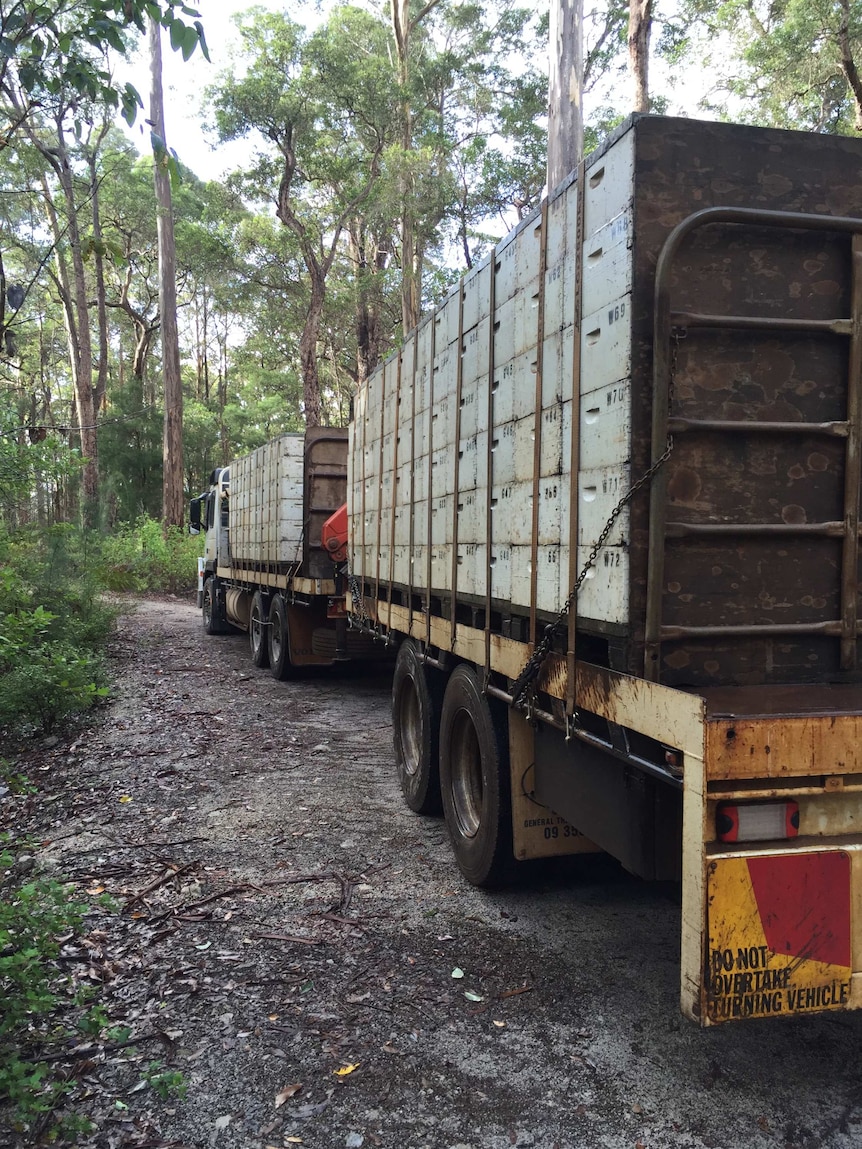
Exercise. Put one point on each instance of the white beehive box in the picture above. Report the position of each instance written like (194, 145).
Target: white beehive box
(266, 503)
(462, 470)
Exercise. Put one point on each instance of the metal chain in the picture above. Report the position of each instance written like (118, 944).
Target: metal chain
(525, 683)
(356, 594)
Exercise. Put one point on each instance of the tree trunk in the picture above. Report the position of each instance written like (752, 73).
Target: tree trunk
(308, 351)
(73, 291)
(848, 64)
(565, 89)
(173, 503)
(99, 267)
(402, 28)
(412, 247)
(224, 438)
(640, 26)
(369, 263)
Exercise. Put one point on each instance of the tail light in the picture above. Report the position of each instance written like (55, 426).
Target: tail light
(757, 821)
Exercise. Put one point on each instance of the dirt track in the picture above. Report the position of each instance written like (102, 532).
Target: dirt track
(317, 924)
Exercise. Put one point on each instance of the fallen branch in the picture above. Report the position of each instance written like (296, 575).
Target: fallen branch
(289, 938)
(166, 877)
(93, 1049)
(340, 920)
(174, 911)
(294, 878)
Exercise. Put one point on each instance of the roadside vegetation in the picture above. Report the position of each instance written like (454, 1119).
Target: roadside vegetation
(55, 622)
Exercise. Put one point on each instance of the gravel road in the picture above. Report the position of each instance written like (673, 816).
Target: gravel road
(320, 974)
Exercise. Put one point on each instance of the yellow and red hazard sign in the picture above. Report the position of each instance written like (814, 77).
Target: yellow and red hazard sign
(779, 934)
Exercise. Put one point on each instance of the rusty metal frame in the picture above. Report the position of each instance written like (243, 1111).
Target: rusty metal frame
(575, 449)
(537, 416)
(664, 322)
(489, 532)
(396, 424)
(456, 488)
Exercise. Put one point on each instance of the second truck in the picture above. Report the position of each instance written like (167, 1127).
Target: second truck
(265, 568)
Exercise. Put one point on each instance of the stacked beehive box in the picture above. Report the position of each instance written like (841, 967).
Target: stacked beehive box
(428, 476)
(518, 415)
(266, 503)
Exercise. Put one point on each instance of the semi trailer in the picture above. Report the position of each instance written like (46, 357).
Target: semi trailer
(604, 503)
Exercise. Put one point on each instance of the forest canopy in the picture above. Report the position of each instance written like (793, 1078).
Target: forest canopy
(387, 145)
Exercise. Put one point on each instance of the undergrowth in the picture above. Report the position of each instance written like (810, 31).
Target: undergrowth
(53, 628)
(51, 1015)
(143, 556)
(54, 625)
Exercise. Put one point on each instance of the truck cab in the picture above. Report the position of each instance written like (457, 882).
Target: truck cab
(210, 513)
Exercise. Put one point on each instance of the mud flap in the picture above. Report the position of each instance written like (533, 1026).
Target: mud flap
(303, 622)
(779, 934)
(537, 832)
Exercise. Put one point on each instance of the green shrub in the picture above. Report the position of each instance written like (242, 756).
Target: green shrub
(53, 626)
(33, 915)
(41, 1010)
(167, 1083)
(45, 685)
(143, 556)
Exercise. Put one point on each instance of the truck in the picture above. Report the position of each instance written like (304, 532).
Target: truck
(604, 504)
(265, 569)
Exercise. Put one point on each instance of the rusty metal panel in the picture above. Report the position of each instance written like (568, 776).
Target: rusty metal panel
(776, 495)
(325, 491)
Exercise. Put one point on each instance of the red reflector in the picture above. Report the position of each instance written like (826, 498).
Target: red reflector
(757, 821)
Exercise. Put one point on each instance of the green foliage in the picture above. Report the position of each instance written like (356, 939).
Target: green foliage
(130, 453)
(783, 63)
(27, 460)
(50, 659)
(47, 684)
(167, 1083)
(142, 556)
(31, 919)
(40, 1008)
(53, 46)
(33, 915)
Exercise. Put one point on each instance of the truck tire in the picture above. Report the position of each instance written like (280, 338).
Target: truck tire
(416, 698)
(475, 782)
(257, 631)
(277, 639)
(213, 615)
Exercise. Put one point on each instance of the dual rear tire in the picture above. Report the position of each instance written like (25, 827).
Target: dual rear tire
(452, 754)
(257, 631)
(474, 780)
(416, 701)
(278, 639)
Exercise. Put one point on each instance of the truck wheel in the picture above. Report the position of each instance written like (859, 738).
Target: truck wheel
(416, 731)
(214, 622)
(278, 643)
(474, 780)
(257, 639)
